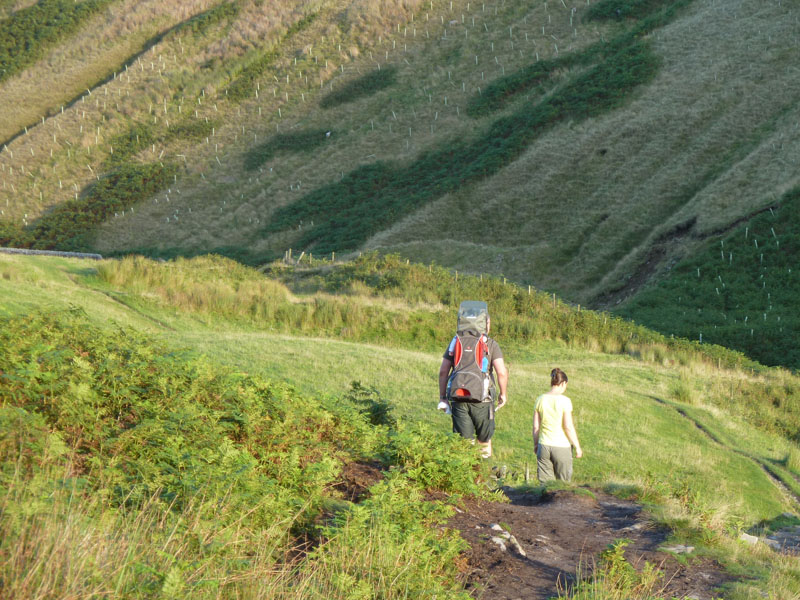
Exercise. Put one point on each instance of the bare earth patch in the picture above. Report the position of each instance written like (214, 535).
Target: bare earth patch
(561, 531)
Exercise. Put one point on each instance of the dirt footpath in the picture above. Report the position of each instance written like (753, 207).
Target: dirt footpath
(557, 533)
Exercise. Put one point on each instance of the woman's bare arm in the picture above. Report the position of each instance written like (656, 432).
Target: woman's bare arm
(572, 435)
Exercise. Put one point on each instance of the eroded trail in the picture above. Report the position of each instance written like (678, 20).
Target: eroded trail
(560, 533)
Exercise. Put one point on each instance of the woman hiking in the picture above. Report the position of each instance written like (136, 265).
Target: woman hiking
(554, 432)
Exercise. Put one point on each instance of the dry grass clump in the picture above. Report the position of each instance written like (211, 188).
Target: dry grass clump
(195, 285)
(257, 25)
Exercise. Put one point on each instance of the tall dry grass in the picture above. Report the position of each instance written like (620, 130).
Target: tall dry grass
(68, 545)
(205, 284)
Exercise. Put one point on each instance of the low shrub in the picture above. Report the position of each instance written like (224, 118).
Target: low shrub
(124, 460)
(202, 22)
(70, 226)
(141, 136)
(739, 290)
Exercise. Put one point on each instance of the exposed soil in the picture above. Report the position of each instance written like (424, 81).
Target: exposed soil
(666, 251)
(356, 479)
(561, 532)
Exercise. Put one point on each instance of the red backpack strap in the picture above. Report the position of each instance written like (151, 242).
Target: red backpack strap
(480, 351)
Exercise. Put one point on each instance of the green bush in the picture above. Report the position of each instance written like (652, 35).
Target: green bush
(200, 23)
(364, 86)
(502, 89)
(371, 404)
(200, 479)
(141, 136)
(243, 83)
(128, 143)
(615, 578)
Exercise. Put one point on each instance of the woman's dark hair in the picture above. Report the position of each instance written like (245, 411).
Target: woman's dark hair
(557, 377)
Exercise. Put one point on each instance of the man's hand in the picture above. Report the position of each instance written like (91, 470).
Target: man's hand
(501, 402)
(578, 452)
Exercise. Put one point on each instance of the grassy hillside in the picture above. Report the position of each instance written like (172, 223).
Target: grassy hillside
(584, 149)
(175, 435)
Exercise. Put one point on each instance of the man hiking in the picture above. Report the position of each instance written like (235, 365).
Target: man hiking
(466, 377)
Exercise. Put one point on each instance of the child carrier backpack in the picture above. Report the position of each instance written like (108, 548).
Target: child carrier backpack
(470, 380)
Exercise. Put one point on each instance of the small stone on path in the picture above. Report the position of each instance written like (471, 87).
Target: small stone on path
(750, 539)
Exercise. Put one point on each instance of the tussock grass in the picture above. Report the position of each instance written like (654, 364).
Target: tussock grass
(73, 545)
(329, 301)
(793, 460)
(614, 578)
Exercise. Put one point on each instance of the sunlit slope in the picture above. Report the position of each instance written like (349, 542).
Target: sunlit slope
(177, 89)
(644, 418)
(81, 59)
(440, 56)
(217, 137)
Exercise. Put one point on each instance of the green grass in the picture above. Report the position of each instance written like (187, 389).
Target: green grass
(738, 291)
(228, 452)
(142, 136)
(245, 82)
(70, 226)
(199, 24)
(701, 466)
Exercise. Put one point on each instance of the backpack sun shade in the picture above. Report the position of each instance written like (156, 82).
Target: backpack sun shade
(470, 380)
(473, 315)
